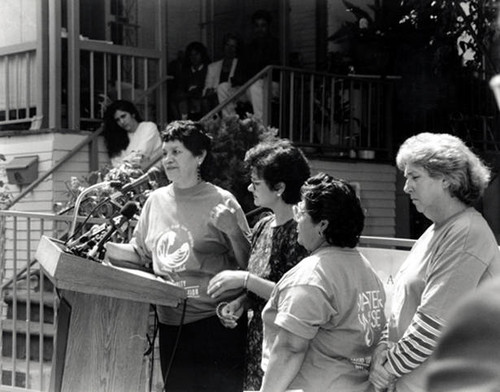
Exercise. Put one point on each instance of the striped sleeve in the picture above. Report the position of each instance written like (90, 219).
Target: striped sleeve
(416, 345)
(384, 336)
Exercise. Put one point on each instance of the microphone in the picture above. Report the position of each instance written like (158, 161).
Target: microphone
(126, 213)
(152, 174)
(95, 230)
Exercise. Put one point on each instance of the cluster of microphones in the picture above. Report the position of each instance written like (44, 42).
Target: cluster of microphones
(90, 244)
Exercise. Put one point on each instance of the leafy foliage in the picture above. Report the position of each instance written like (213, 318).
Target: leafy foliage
(232, 138)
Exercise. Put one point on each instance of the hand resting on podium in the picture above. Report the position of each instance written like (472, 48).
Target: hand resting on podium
(124, 255)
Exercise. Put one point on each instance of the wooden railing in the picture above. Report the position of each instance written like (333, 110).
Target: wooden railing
(331, 114)
(109, 72)
(28, 301)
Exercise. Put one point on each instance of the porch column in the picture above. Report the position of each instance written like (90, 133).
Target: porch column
(73, 64)
(54, 90)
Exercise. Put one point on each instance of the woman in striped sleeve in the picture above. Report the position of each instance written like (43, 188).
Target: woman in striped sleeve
(454, 255)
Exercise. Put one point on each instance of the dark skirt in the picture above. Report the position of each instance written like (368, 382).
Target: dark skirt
(209, 357)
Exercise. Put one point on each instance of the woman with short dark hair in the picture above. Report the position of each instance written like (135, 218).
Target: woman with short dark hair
(326, 315)
(189, 231)
(278, 170)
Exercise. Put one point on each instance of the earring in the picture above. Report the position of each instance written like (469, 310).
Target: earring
(278, 194)
(198, 172)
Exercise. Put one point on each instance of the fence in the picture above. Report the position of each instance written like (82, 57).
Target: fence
(109, 72)
(335, 115)
(28, 301)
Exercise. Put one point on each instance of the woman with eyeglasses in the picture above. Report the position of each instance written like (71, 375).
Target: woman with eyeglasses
(326, 315)
(278, 170)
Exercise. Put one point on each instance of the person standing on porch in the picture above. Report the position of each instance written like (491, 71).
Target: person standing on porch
(262, 51)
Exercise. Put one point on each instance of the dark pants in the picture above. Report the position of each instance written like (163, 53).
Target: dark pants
(209, 357)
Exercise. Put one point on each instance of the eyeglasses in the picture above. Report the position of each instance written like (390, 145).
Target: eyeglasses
(299, 211)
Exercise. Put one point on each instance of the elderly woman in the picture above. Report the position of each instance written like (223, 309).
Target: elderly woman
(456, 254)
(325, 315)
(128, 138)
(190, 230)
(278, 170)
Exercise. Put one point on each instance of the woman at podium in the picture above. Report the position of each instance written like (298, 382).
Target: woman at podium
(186, 231)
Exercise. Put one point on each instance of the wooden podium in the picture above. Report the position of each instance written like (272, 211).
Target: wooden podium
(102, 321)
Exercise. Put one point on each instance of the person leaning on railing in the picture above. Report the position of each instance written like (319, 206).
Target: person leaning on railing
(127, 137)
(455, 255)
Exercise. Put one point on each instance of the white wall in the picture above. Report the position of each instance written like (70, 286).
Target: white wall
(50, 149)
(17, 21)
(377, 191)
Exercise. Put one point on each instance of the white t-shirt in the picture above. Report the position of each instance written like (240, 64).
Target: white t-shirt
(144, 145)
(334, 299)
(448, 261)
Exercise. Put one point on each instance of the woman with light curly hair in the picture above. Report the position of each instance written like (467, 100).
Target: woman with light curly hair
(457, 253)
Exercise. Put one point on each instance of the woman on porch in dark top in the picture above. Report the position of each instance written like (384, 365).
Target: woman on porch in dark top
(188, 99)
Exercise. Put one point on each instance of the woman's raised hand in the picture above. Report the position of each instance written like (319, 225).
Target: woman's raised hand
(223, 217)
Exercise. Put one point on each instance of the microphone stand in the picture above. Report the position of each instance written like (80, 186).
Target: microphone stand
(79, 200)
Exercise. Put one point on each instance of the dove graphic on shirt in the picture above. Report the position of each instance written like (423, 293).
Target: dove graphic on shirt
(172, 251)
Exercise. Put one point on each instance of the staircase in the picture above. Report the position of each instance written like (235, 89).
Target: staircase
(28, 333)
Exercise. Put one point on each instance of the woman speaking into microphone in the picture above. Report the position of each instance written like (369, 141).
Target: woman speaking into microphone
(187, 231)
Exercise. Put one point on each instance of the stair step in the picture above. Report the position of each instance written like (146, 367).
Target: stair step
(39, 374)
(36, 299)
(21, 332)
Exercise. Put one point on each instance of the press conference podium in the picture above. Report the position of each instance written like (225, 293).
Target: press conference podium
(102, 321)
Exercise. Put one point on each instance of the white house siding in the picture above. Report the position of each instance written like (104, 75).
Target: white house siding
(303, 30)
(377, 186)
(18, 21)
(50, 148)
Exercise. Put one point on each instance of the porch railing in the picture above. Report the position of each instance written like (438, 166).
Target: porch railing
(29, 302)
(105, 72)
(331, 114)
(109, 72)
